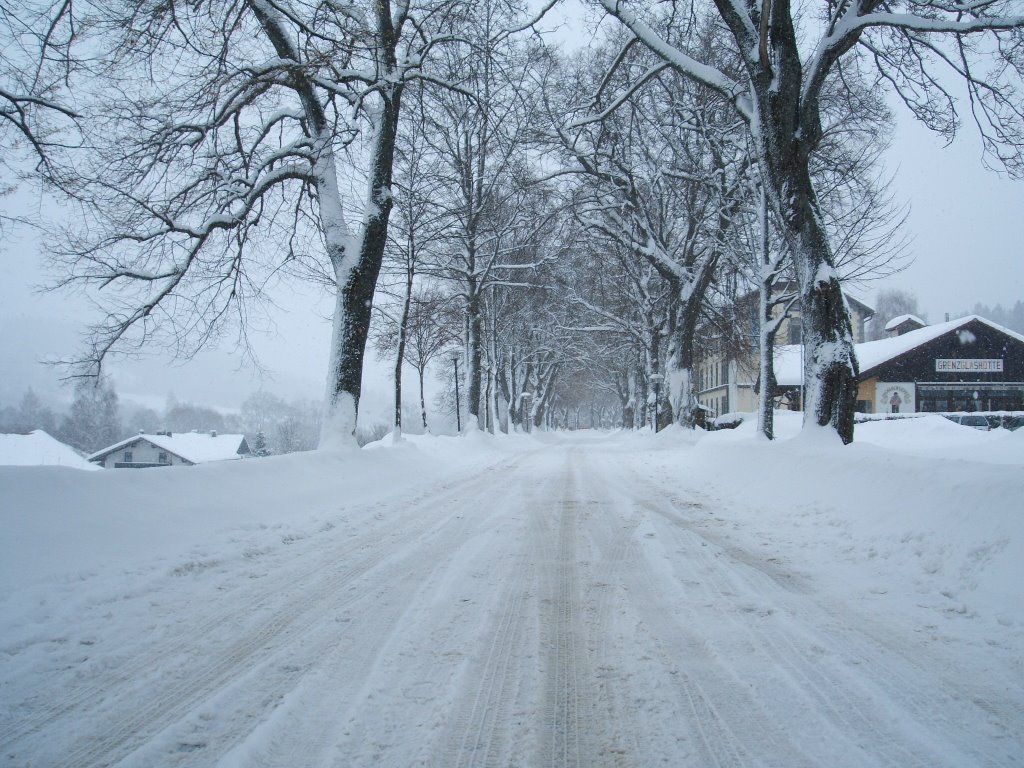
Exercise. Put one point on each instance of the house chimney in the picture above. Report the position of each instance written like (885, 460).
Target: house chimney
(947, 317)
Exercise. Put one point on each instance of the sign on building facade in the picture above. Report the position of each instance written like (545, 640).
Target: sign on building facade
(895, 397)
(945, 365)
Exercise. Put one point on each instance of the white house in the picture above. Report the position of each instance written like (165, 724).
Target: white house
(38, 448)
(166, 449)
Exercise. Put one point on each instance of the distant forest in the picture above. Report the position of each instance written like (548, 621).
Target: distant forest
(1010, 318)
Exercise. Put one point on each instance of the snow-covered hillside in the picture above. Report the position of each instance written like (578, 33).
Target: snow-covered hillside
(564, 599)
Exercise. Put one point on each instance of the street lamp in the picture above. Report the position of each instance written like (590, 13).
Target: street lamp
(656, 379)
(458, 406)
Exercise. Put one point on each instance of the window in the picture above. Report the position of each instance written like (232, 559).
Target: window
(128, 457)
(162, 458)
(795, 331)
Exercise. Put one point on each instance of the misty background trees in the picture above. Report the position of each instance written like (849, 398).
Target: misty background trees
(571, 229)
(97, 417)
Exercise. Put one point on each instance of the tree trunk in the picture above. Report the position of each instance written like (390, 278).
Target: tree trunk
(493, 371)
(356, 261)
(403, 326)
(789, 131)
(631, 410)
(474, 334)
(653, 369)
(357, 284)
(766, 350)
(830, 364)
(690, 302)
(767, 330)
(508, 390)
(423, 402)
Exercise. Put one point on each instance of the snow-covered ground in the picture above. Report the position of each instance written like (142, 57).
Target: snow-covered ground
(568, 599)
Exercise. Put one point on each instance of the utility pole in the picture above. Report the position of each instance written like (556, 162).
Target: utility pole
(458, 407)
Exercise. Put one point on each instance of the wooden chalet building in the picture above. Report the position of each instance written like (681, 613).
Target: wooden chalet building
(969, 364)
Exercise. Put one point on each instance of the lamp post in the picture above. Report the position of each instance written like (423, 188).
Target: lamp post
(458, 406)
(656, 379)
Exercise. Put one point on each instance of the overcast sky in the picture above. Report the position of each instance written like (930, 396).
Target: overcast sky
(966, 225)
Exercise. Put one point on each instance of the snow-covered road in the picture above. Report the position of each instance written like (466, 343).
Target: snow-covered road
(568, 607)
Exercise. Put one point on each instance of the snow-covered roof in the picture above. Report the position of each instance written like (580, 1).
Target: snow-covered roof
(37, 448)
(196, 447)
(871, 354)
(898, 321)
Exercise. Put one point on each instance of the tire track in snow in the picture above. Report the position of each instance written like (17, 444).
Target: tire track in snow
(480, 729)
(143, 664)
(326, 722)
(172, 702)
(722, 588)
(128, 720)
(486, 730)
(611, 533)
(571, 720)
(670, 699)
(716, 717)
(842, 699)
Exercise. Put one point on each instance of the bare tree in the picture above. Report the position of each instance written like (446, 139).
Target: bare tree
(217, 165)
(481, 132)
(418, 225)
(780, 99)
(35, 105)
(429, 326)
(664, 173)
(94, 420)
(890, 303)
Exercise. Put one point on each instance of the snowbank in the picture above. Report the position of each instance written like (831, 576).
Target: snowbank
(918, 514)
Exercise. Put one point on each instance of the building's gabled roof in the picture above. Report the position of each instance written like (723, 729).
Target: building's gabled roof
(871, 354)
(195, 447)
(898, 321)
(866, 309)
(38, 448)
(851, 297)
